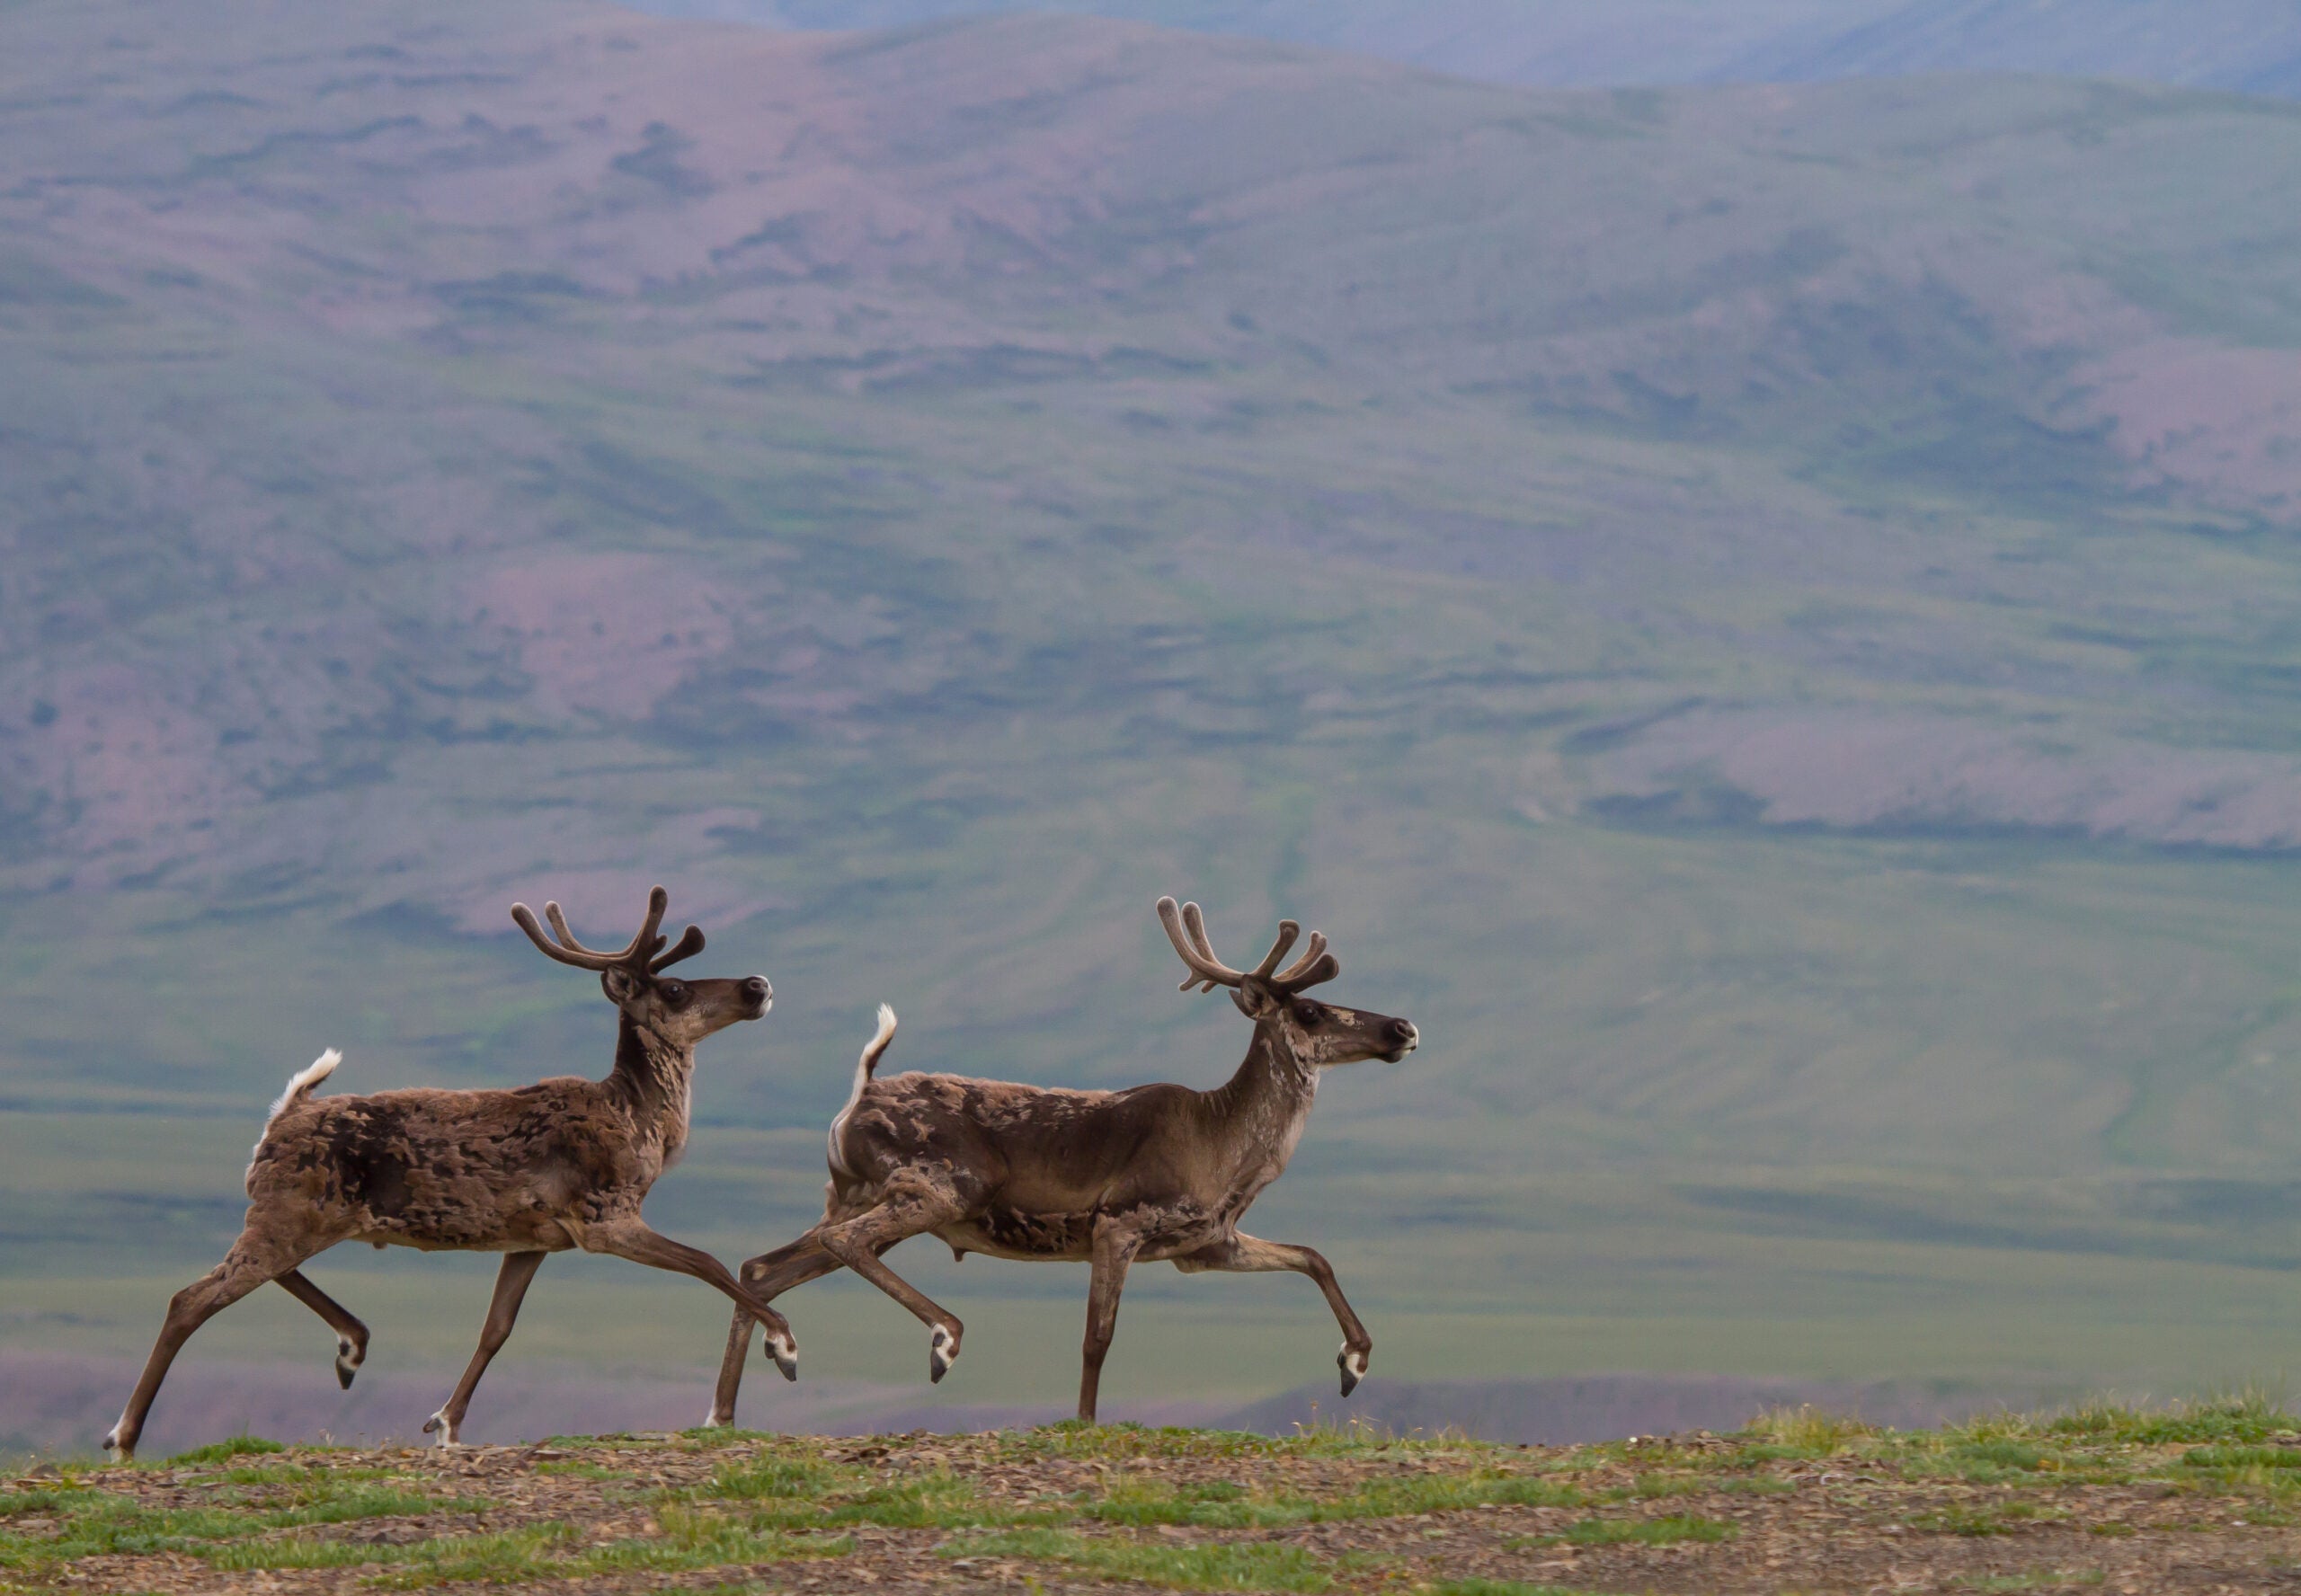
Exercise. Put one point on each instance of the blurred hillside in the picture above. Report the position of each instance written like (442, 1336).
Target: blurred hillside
(2250, 46)
(1762, 617)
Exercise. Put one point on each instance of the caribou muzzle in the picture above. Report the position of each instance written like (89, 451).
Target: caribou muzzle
(759, 996)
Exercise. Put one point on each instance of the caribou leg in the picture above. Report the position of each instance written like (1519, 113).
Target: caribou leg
(768, 1276)
(917, 1206)
(635, 1239)
(253, 1260)
(351, 1335)
(510, 1289)
(1114, 1249)
(1250, 1255)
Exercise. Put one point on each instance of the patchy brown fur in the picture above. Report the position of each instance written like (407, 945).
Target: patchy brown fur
(1155, 1173)
(525, 1172)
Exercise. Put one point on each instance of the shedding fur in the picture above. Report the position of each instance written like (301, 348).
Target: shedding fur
(864, 1066)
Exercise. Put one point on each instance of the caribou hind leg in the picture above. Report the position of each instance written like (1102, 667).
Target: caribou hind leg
(1250, 1255)
(253, 1260)
(915, 1202)
(510, 1289)
(351, 1335)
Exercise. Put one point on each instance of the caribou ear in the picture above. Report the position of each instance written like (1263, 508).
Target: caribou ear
(1255, 1000)
(620, 986)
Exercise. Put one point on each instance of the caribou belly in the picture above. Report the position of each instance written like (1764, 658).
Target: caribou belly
(1005, 1233)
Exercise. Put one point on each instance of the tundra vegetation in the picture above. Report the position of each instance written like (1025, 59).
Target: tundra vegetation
(2097, 1497)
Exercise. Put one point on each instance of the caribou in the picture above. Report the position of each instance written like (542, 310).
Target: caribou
(525, 1172)
(1152, 1174)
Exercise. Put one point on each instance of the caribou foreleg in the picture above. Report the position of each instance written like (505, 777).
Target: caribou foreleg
(1250, 1255)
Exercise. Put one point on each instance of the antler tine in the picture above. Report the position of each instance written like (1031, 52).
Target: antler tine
(658, 900)
(1194, 922)
(691, 944)
(642, 947)
(1325, 968)
(1301, 967)
(1288, 930)
(1186, 929)
(559, 928)
(581, 957)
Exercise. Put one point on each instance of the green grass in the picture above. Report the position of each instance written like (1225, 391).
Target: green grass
(2241, 1457)
(1231, 1506)
(235, 1446)
(796, 1494)
(239, 1513)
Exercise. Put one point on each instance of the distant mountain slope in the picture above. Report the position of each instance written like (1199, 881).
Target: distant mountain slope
(2250, 46)
(1763, 614)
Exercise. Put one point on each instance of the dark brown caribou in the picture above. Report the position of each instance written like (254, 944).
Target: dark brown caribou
(1158, 1173)
(564, 1162)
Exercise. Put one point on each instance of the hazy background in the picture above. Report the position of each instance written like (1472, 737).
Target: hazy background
(1747, 572)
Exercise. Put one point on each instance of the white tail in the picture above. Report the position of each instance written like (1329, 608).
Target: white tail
(300, 1084)
(864, 1066)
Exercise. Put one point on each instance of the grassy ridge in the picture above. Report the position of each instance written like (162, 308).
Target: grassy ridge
(2095, 1494)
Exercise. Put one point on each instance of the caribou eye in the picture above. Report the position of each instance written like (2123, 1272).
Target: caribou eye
(673, 993)
(1309, 1013)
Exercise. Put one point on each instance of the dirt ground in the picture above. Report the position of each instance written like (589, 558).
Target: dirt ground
(2203, 1500)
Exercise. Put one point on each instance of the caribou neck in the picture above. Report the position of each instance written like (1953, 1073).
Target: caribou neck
(1267, 1101)
(651, 1078)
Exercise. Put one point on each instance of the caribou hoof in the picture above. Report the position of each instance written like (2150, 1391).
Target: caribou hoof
(348, 1359)
(123, 1451)
(444, 1427)
(942, 1351)
(786, 1353)
(1353, 1368)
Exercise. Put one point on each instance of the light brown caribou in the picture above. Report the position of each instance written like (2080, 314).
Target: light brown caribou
(534, 1170)
(1157, 1173)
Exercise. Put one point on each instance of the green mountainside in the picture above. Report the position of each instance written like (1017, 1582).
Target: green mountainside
(1761, 617)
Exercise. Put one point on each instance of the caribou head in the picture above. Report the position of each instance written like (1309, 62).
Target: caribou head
(682, 1012)
(1317, 1034)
